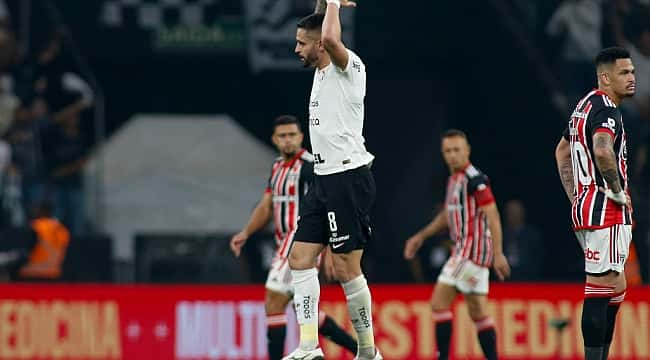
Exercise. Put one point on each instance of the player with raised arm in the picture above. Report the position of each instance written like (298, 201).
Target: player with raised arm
(337, 206)
(291, 174)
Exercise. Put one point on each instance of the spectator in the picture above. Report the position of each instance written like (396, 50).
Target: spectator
(64, 144)
(46, 259)
(581, 41)
(67, 154)
(522, 244)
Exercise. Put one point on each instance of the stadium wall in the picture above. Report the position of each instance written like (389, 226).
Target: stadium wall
(227, 322)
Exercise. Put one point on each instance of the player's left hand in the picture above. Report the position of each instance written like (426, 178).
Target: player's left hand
(621, 198)
(501, 266)
(347, 3)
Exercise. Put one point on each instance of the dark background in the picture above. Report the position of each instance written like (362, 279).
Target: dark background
(431, 66)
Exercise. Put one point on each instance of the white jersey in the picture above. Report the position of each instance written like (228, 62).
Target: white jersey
(336, 117)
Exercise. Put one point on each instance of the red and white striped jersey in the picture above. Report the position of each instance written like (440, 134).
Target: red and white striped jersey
(287, 184)
(467, 191)
(591, 209)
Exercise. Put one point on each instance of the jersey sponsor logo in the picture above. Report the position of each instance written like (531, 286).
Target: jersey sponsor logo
(592, 255)
(336, 239)
(610, 124)
(318, 159)
(307, 306)
(363, 317)
(356, 65)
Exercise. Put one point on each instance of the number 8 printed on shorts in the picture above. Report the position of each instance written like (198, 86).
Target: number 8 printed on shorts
(332, 219)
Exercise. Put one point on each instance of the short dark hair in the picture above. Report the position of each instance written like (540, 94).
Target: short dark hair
(312, 22)
(609, 55)
(286, 120)
(454, 133)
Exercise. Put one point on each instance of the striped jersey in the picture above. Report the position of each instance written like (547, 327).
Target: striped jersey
(287, 184)
(467, 191)
(591, 209)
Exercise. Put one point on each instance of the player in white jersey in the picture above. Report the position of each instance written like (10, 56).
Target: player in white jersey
(337, 206)
(289, 180)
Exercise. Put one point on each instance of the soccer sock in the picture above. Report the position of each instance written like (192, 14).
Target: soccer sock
(612, 310)
(443, 321)
(276, 331)
(306, 293)
(594, 319)
(331, 330)
(357, 294)
(487, 337)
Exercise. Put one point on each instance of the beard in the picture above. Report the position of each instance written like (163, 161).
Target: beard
(289, 153)
(310, 61)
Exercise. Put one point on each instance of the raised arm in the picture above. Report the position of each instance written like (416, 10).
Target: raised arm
(565, 167)
(331, 31)
(258, 220)
(413, 244)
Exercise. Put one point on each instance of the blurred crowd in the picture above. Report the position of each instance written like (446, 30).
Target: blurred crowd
(44, 105)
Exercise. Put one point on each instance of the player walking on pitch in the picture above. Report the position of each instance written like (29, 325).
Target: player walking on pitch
(472, 218)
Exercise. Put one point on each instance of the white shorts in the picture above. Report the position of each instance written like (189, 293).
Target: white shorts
(605, 249)
(465, 276)
(279, 278)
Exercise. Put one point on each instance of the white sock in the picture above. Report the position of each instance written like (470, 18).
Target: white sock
(357, 294)
(305, 299)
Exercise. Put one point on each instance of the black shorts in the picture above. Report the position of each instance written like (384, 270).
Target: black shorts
(336, 210)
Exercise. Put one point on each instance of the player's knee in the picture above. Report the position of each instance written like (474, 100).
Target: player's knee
(612, 279)
(477, 314)
(274, 306)
(300, 261)
(275, 303)
(345, 269)
(438, 306)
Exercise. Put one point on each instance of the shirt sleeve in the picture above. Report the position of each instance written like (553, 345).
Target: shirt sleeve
(306, 177)
(607, 120)
(354, 65)
(565, 133)
(479, 187)
(267, 190)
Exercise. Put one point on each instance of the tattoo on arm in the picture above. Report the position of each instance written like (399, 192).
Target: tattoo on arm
(321, 6)
(606, 160)
(566, 176)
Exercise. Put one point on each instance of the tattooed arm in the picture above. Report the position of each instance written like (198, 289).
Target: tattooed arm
(565, 167)
(606, 160)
